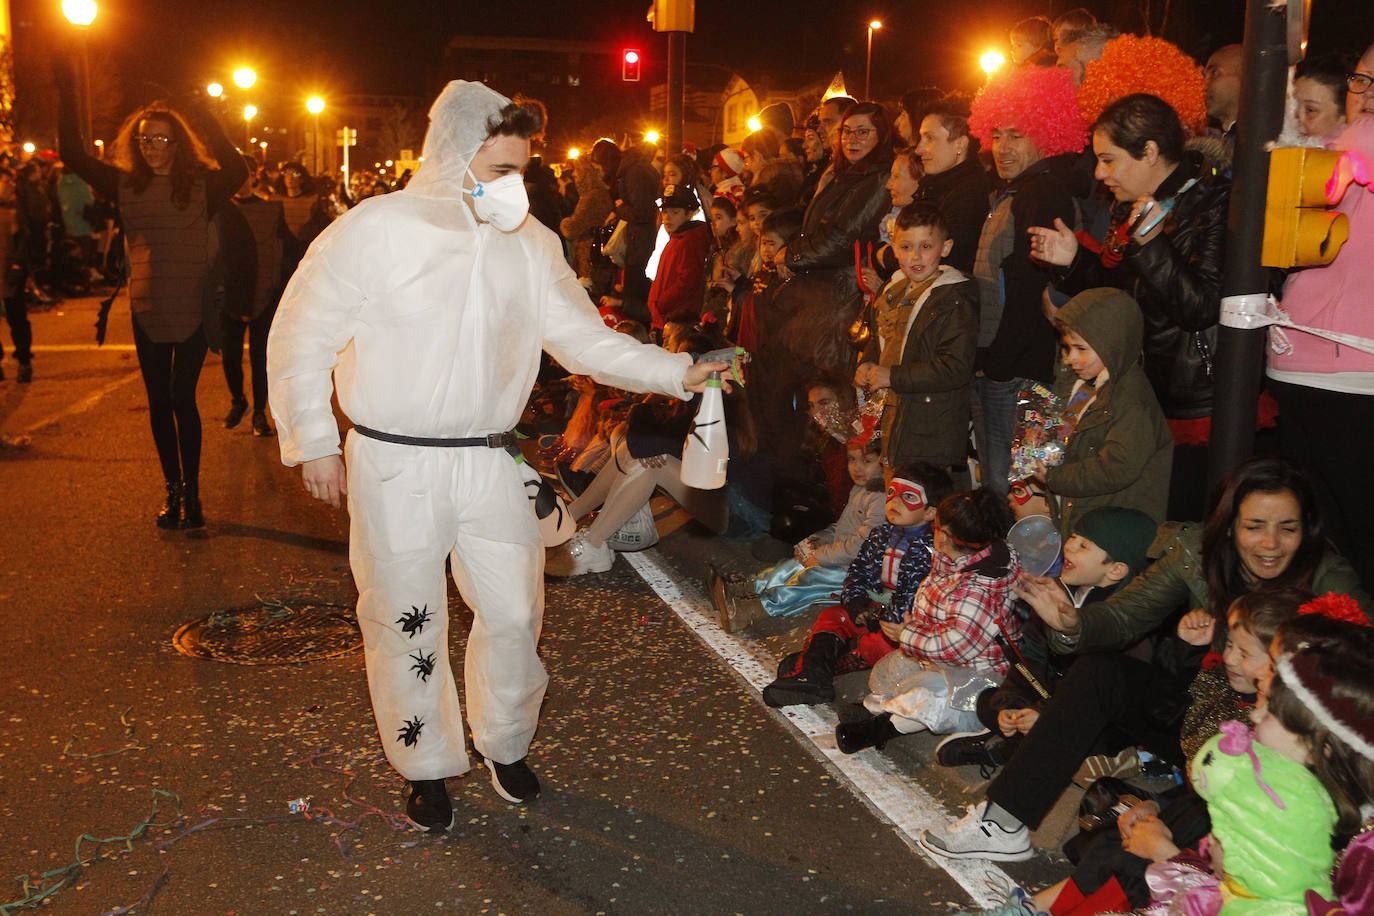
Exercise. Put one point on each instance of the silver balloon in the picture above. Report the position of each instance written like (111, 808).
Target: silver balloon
(1037, 543)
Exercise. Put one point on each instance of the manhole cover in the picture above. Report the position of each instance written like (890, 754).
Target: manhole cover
(266, 634)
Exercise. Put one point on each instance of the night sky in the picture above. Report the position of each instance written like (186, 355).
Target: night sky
(144, 48)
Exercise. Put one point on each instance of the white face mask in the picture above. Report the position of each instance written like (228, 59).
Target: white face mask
(503, 202)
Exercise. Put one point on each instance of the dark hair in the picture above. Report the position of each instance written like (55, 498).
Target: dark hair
(975, 518)
(881, 154)
(190, 160)
(922, 213)
(917, 103)
(295, 168)
(606, 155)
(785, 223)
(763, 142)
(632, 328)
(908, 155)
(1345, 773)
(724, 204)
(1073, 23)
(1133, 120)
(1328, 69)
(934, 480)
(953, 111)
(844, 390)
(795, 147)
(739, 416)
(1265, 610)
(1225, 572)
(691, 174)
(522, 117)
(843, 101)
(758, 194)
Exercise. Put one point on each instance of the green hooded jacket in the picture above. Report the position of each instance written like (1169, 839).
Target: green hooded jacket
(1121, 452)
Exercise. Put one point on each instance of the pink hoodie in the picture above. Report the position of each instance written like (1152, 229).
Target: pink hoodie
(1338, 296)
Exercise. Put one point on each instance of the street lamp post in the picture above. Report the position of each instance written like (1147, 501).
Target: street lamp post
(873, 26)
(315, 105)
(81, 13)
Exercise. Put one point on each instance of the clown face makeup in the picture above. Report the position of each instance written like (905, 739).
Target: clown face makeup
(906, 503)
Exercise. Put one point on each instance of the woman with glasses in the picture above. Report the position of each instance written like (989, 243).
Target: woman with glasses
(822, 296)
(168, 189)
(1325, 390)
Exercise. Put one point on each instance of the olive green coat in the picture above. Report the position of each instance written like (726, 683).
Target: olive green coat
(1121, 452)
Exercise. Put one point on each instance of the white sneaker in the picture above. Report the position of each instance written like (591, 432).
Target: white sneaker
(577, 557)
(973, 837)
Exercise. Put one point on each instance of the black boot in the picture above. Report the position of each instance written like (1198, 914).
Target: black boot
(811, 680)
(191, 514)
(170, 516)
(852, 737)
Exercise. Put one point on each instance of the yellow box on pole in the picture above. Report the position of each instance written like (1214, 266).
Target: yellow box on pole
(1299, 228)
(675, 15)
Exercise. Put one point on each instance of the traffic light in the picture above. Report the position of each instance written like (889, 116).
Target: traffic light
(629, 65)
(1299, 229)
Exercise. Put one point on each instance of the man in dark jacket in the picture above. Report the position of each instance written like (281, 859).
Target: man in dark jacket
(954, 178)
(1027, 116)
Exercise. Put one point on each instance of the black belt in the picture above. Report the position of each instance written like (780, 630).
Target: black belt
(494, 440)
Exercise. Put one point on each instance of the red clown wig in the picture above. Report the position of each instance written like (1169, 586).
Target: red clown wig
(1040, 102)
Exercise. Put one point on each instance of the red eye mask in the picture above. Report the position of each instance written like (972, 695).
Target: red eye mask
(1022, 492)
(912, 495)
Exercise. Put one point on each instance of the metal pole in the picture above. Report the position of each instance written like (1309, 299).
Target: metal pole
(677, 79)
(86, 87)
(1240, 353)
(868, 63)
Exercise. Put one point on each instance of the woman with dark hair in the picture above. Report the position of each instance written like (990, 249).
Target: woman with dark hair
(821, 295)
(1164, 246)
(168, 190)
(763, 158)
(1264, 530)
(1319, 91)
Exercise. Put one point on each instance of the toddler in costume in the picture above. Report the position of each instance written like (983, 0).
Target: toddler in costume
(817, 570)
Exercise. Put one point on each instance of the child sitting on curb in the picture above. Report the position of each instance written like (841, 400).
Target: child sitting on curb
(949, 637)
(817, 571)
(878, 587)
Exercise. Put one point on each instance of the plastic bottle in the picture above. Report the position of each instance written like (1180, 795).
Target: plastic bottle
(706, 451)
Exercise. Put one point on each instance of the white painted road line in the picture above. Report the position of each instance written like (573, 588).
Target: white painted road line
(82, 405)
(869, 774)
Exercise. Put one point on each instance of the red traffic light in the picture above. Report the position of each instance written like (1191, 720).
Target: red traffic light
(629, 65)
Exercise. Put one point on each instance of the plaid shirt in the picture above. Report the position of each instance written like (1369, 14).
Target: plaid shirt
(954, 618)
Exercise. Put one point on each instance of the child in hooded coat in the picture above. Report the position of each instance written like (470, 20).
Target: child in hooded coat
(1120, 451)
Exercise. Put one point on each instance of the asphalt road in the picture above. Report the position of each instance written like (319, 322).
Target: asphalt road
(668, 786)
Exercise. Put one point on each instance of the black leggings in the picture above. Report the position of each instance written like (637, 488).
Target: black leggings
(232, 352)
(170, 373)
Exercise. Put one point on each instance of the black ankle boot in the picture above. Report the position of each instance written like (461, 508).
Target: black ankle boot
(191, 514)
(852, 737)
(811, 678)
(170, 516)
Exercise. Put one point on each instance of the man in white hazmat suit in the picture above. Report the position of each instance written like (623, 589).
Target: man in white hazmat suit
(433, 303)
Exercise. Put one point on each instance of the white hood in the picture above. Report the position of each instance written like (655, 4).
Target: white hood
(460, 120)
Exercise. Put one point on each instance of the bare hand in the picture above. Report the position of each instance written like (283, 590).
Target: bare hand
(1196, 628)
(1053, 246)
(892, 631)
(1134, 815)
(1050, 603)
(697, 374)
(1150, 839)
(871, 281)
(810, 561)
(325, 479)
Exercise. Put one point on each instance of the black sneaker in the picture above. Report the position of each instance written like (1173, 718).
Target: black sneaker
(515, 782)
(429, 808)
(980, 749)
(235, 415)
(260, 427)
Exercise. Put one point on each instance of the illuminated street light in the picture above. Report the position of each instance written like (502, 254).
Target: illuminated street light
(991, 61)
(79, 12)
(29, 148)
(314, 105)
(244, 78)
(873, 26)
(574, 153)
(652, 136)
(214, 90)
(754, 123)
(252, 139)
(250, 112)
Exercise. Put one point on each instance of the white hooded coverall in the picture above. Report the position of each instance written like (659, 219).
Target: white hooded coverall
(432, 325)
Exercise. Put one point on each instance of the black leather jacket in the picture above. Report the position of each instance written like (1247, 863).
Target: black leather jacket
(1176, 279)
(963, 195)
